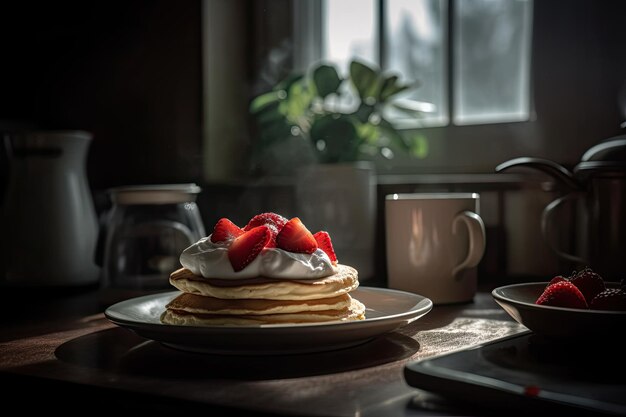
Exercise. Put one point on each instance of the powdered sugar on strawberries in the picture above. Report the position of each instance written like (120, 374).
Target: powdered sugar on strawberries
(210, 260)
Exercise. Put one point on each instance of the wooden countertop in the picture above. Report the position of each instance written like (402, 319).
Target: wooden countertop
(62, 348)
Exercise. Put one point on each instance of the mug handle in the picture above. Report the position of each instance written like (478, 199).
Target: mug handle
(476, 229)
(546, 217)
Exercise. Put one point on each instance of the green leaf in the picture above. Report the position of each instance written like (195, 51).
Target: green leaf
(364, 112)
(419, 146)
(369, 133)
(415, 144)
(366, 81)
(326, 80)
(298, 101)
(391, 87)
(264, 100)
(397, 139)
(288, 82)
(339, 136)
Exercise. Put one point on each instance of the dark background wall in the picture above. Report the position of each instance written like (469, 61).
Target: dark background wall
(128, 71)
(131, 73)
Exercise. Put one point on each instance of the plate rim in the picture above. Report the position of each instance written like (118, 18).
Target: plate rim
(416, 311)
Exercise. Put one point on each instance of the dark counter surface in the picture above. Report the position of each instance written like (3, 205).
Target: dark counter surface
(62, 346)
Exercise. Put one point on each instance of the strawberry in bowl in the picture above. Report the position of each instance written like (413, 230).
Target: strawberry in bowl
(585, 290)
(581, 306)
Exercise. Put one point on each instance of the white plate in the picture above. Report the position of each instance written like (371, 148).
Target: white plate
(386, 310)
(519, 301)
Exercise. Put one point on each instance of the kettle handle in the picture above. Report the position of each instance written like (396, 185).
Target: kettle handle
(555, 170)
(545, 220)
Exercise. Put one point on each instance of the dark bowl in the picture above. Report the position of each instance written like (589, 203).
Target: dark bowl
(518, 300)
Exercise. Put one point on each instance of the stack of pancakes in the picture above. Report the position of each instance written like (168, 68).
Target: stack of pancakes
(213, 301)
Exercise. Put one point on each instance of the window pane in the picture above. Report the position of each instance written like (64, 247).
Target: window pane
(491, 60)
(415, 47)
(349, 31)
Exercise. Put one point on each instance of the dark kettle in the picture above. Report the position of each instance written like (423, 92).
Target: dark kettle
(599, 179)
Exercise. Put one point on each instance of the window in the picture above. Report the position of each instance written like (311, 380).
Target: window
(470, 58)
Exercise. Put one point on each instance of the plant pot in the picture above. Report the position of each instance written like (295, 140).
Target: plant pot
(341, 199)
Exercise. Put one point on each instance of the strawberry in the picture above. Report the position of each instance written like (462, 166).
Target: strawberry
(295, 237)
(225, 230)
(325, 244)
(562, 294)
(556, 279)
(589, 283)
(609, 299)
(559, 278)
(274, 221)
(247, 247)
(271, 219)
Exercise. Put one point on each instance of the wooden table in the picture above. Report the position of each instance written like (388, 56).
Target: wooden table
(63, 352)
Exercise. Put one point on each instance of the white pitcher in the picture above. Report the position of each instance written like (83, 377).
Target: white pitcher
(49, 226)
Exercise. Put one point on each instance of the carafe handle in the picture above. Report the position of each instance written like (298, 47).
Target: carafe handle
(546, 217)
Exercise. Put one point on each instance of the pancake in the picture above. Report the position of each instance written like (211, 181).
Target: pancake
(342, 282)
(200, 304)
(355, 311)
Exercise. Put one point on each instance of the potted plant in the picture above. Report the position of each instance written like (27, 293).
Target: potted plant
(342, 125)
(342, 119)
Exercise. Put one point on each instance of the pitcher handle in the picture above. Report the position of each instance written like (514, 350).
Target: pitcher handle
(545, 220)
(476, 229)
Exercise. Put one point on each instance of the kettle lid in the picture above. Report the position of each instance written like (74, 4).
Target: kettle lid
(606, 157)
(612, 149)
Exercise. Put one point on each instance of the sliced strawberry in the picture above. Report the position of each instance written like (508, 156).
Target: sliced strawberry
(562, 294)
(556, 279)
(247, 247)
(325, 244)
(589, 283)
(273, 233)
(225, 230)
(295, 237)
(274, 221)
(609, 299)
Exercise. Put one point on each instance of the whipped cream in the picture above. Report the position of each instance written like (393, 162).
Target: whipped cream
(210, 260)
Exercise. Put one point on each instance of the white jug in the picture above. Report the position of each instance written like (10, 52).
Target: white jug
(49, 226)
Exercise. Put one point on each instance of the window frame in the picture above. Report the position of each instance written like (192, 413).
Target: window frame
(308, 29)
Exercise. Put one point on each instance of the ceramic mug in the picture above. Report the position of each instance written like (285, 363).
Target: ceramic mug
(434, 242)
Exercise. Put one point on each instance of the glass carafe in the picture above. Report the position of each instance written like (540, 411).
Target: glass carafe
(148, 228)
